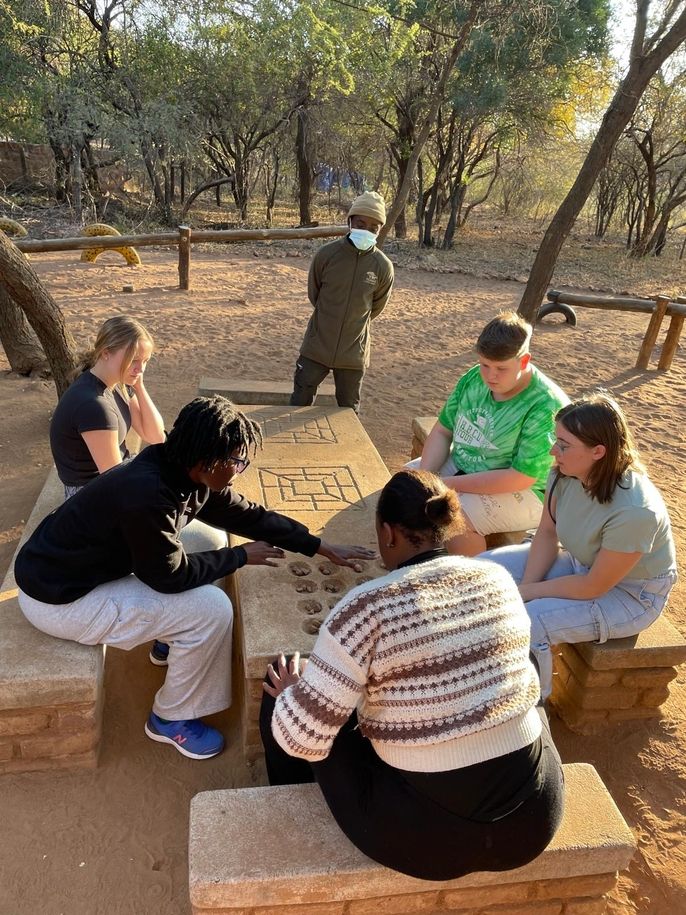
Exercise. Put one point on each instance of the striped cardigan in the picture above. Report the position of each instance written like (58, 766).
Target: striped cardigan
(434, 656)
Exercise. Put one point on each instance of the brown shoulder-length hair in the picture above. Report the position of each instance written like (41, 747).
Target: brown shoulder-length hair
(597, 419)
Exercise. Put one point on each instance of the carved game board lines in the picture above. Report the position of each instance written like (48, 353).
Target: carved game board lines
(313, 489)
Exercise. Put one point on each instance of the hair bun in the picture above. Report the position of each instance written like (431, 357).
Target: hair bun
(438, 508)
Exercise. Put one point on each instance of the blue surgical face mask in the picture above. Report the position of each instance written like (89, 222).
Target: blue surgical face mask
(362, 239)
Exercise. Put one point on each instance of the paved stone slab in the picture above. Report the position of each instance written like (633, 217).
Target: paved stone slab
(319, 466)
(660, 645)
(422, 425)
(247, 391)
(281, 846)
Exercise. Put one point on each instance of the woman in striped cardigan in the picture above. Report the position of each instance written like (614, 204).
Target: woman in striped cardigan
(416, 713)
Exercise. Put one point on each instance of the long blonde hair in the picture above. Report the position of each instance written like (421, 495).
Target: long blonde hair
(113, 335)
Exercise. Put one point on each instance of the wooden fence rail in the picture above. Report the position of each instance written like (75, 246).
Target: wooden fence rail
(656, 307)
(183, 239)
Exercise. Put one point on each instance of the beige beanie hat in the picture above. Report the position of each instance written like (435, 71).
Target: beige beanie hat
(369, 204)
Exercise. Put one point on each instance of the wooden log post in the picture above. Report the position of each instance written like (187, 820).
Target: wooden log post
(661, 303)
(671, 342)
(226, 236)
(184, 257)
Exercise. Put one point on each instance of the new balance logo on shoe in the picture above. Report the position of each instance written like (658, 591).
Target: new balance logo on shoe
(192, 738)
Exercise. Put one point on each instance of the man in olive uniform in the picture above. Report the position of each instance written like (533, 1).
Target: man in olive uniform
(349, 284)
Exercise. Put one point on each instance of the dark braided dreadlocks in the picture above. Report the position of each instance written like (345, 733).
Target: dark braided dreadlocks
(208, 431)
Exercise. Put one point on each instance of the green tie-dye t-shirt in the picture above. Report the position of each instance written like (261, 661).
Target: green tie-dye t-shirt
(493, 434)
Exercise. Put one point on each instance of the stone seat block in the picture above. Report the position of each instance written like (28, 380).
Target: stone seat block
(620, 680)
(422, 425)
(50, 689)
(660, 645)
(270, 393)
(265, 850)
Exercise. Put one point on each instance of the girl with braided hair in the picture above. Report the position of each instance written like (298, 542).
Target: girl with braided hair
(109, 567)
(416, 712)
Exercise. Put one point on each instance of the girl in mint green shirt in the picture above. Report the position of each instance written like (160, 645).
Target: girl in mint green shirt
(602, 563)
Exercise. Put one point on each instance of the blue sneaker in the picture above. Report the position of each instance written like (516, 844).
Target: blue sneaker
(193, 738)
(159, 654)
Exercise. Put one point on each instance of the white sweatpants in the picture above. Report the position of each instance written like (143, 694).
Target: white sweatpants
(125, 613)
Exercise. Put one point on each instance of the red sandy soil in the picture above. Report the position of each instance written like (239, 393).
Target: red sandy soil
(115, 840)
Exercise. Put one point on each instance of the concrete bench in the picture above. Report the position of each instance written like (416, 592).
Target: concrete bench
(51, 690)
(277, 851)
(620, 680)
(272, 393)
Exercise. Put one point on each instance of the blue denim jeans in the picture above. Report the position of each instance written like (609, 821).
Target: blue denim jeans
(624, 610)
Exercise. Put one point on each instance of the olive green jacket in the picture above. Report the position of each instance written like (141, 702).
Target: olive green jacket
(348, 289)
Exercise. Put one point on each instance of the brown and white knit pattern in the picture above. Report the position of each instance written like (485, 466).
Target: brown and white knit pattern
(435, 657)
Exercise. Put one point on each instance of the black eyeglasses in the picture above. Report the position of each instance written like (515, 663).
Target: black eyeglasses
(239, 463)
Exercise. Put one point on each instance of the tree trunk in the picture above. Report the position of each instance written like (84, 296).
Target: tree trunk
(271, 182)
(661, 238)
(400, 223)
(89, 170)
(617, 116)
(303, 156)
(400, 149)
(20, 281)
(62, 173)
(21, 346)
(150, 158)
(241, 185)
(398, 204)
(205, 186)
(456, 200)
(76, 184)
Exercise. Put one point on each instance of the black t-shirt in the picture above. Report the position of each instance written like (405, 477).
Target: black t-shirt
(86, 406)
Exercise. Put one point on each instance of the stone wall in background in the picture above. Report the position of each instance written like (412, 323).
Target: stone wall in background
(26, 162)
(33, 164)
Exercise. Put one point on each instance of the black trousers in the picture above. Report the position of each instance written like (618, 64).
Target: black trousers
(309, 375)
(414, 822)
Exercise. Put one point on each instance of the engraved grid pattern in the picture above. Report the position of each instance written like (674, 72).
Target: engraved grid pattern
(314, 489)
(291, 429)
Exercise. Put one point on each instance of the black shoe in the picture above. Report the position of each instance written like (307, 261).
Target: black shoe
(159, 654)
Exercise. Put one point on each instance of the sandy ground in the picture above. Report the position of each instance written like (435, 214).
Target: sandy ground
(115, 840)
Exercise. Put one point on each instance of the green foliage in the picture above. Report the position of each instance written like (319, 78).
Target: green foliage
(211, 81)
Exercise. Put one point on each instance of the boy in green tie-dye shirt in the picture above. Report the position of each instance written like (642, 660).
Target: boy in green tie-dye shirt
(492, 441)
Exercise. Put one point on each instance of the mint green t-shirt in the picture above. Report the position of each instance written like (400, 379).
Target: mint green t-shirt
(635, 520)
(493, 434)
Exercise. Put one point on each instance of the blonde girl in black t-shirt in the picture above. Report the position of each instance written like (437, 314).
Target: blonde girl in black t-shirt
(107, 398)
